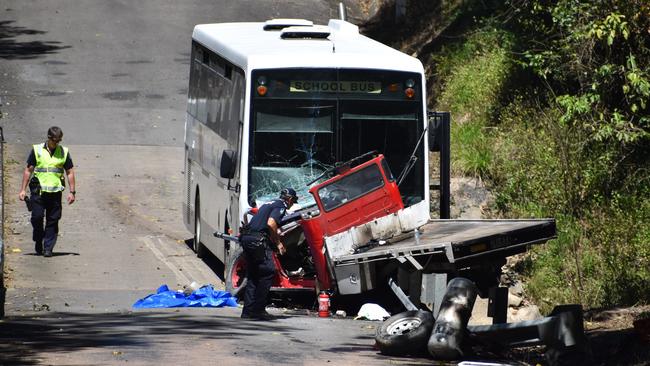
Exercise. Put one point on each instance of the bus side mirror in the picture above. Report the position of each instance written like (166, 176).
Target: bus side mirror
(438, 130)
(227, 168)
(434, 131)
(440, 141)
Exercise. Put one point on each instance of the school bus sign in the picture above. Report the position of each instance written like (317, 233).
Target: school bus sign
(333, 86)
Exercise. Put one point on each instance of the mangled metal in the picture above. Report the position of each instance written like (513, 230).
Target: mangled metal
(447, 338)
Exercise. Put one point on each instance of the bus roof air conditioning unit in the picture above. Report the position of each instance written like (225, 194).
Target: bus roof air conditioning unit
(313, 32)
(278, 24)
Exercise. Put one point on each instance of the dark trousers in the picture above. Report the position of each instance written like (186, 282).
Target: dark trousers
(260, 277)
(46, 206)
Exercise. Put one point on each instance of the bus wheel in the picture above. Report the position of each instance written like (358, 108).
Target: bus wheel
(199, 249)
(236, 271)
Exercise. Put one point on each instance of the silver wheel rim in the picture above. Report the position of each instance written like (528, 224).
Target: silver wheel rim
(404, 325)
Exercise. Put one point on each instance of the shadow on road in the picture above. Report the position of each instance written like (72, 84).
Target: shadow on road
(22, 340)
(54, 254)
(12, 49)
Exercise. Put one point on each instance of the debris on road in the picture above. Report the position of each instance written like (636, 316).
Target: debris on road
(205, 296)
(372, 312)
(450, 337)
(41, 307)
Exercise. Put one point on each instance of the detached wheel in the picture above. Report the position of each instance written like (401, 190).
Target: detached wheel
(405, 333)
(198, 248)
(236, 271)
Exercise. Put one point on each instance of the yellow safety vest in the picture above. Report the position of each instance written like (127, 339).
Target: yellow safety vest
(49, 168)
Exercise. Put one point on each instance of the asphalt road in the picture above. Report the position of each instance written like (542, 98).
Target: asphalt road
(113, 76)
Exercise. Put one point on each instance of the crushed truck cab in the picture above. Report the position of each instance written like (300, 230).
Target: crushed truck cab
(361, 224)
(357, 207)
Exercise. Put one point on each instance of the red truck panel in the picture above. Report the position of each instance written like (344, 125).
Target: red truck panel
(380, 202)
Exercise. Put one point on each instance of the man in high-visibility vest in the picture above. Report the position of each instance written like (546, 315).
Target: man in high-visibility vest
(48, 162)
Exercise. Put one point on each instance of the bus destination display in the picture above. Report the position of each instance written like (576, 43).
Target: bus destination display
(334, 86)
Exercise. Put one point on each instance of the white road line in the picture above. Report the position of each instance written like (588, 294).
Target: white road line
(180, 277)
(181, 261)
(191, 264)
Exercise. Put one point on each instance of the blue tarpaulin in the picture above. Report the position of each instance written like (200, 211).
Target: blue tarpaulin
(206, 296)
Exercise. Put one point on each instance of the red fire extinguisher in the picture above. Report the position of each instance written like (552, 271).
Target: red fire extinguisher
(324, 305)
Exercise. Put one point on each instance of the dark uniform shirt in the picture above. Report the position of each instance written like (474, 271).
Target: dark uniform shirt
(31, 159)
(275, 209)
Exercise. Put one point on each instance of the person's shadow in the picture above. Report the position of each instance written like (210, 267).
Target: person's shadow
(54, 254)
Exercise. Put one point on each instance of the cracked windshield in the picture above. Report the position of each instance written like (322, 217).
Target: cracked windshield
(293, 145)
(305, 121)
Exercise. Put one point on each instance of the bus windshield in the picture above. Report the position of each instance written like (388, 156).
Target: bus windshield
(307, 120)
(293, 144)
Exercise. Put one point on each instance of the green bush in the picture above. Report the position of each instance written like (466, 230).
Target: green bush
(473, 74)
(550, 106)
(602, 254)
(601, 261)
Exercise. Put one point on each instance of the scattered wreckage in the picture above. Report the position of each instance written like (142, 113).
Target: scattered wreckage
(359, 236)
(448, 337)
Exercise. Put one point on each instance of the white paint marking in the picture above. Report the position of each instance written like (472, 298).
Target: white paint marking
(180, 277)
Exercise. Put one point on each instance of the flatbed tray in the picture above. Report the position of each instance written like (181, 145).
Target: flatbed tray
(457, 240)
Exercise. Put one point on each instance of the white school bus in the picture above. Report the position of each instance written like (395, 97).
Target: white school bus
(274, 104)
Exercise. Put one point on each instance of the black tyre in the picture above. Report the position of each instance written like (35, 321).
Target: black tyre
(405, 333)
(199, 248)
(236, 271)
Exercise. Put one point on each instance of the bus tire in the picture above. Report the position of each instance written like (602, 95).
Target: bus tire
(405, 333)
(198, 248)
(236, 271)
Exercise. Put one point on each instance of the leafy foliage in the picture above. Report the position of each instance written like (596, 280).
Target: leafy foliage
(550, 102)
(593, 57)
(475, 76)
(602, 255)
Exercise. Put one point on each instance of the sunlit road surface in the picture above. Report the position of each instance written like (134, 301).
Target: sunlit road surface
(113, 76)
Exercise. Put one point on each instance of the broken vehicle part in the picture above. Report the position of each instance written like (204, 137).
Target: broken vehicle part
(446, 341)
(401, 295)
(562, 332)
(405, 333)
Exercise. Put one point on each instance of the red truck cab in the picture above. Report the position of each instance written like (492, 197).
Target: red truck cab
(354, 196)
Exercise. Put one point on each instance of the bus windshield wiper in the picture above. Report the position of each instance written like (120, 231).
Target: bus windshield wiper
(337, 166)
(411, 162)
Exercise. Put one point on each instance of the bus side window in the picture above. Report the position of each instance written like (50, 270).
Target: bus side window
(228, 71)
(213, 100)
(237, 105)
(206, 56)
(195, 73)
(217, 64)
(202, 97)
(230, 100)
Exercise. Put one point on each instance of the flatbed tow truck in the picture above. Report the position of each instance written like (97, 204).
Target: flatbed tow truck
(359, 236)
